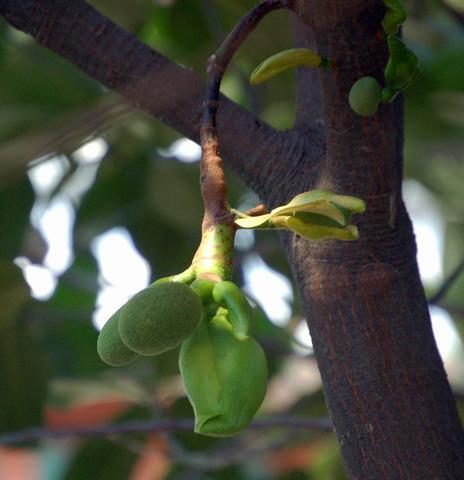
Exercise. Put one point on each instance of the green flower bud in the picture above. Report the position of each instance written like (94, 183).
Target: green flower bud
(294, 57)
(110, 347)
(225, 378)
(159, 318)
(402, 67)
(364, 96)
(394, 16)
(229, 296)
(204, 289)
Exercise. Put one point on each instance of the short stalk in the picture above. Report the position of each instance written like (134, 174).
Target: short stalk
(213, 259)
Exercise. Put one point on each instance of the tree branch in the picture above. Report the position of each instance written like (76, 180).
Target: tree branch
(454, 12)
(117, 59)
(213, 184)
(447, 284)
(156, 426)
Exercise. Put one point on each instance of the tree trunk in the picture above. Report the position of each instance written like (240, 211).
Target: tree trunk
(386, 389)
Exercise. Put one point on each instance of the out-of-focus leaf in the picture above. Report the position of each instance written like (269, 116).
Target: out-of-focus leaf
(172, 192)
(186, 18)
(16, 202)
(14, 291)
(73, 347)
(69, 333)
(23, 377)
(41, 85)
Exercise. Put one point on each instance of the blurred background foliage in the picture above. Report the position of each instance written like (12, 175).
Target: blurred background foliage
(97, 199)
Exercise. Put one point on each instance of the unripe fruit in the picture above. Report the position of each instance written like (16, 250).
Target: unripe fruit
(159, 318)
(110, 347)
(225, 378)
(365, 95)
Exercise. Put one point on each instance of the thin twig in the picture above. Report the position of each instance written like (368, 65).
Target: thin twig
(217, 30)
(447, 284)
(157, 426)
(213, 185)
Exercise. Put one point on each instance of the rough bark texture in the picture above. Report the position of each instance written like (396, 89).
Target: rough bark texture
(387, 392)
(386, 388)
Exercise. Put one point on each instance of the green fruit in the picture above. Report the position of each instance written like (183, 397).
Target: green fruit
(159, 318)
(110, 347)
(225, 378)
(364, 96)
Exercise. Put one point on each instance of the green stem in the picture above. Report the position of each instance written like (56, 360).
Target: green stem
(213, 259)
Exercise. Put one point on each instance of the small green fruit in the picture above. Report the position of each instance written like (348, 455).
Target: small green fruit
(365, 96)
(224, 377)
(159, 318)
(110, 347)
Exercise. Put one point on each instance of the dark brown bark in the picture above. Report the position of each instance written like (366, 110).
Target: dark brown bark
(386, 388)
(384, 381)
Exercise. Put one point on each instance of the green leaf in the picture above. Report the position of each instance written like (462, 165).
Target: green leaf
(310, 196)
(313, 231)
(23, 376)
(321, 207)
(16, 200)
(14, 291)
(325, 203)
(353, 204)
(253, 222)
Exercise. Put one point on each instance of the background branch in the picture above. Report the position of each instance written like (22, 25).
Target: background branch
(454, 12)
(447, 284)
(157, 426)
(117, 59)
